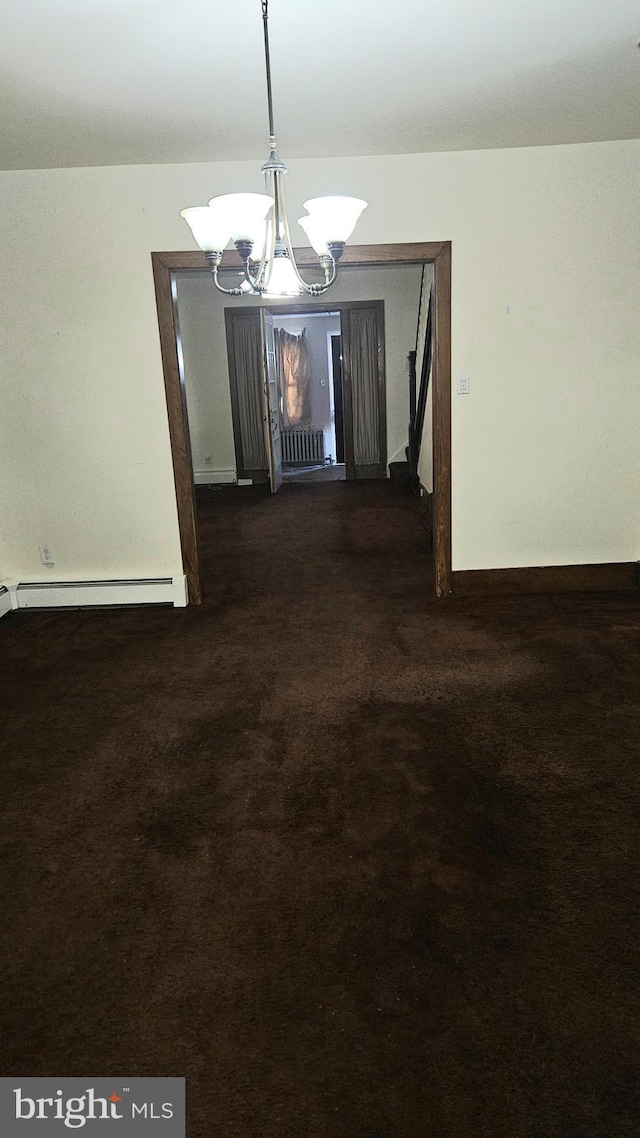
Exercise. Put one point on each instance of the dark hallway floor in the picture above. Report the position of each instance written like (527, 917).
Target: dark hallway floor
(357, 863)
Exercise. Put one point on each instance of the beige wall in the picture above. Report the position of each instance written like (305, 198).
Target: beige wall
(201, 313)
(204, 351)
(546, 464)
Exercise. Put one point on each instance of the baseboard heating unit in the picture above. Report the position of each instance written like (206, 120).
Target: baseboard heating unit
(214, 477)
(87, 594)
(300, 448)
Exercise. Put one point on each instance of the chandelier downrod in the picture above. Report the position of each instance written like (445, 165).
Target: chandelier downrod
(267, 60)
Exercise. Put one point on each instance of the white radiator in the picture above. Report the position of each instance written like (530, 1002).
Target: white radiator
(80, 594)
(302, 447)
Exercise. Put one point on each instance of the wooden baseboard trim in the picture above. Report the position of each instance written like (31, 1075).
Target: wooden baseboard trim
(609, 577)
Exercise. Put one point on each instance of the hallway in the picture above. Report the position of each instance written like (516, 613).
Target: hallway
(356, 862)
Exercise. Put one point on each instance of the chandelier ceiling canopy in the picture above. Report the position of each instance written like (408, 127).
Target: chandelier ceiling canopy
(258, 225)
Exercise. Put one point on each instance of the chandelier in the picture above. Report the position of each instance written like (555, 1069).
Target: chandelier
(258, 225)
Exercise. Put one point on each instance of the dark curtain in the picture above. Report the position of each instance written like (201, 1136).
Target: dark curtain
(363, 335)
(247, 344)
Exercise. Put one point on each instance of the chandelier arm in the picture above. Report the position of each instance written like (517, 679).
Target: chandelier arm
(282, 227)
(213, 260)
(221, 288)
(330, 267)
(270, 181)
(279, 207)
(315, 289)
(226, 291)
(254, 283)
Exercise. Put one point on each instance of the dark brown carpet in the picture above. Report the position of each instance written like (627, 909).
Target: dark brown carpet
(358, 864)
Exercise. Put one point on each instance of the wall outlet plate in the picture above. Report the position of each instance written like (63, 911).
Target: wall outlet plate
(46, 555)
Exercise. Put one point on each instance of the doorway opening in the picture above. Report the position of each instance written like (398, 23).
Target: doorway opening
(308, 351)
(281, 380)
(167, 267)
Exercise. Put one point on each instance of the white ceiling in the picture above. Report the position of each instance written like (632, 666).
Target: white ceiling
(102, 82)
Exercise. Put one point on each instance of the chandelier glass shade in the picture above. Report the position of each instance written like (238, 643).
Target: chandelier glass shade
(258, 226)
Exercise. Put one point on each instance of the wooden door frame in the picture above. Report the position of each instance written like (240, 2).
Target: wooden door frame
(166, 265)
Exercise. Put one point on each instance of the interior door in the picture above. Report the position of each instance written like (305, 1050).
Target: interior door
(271, 402)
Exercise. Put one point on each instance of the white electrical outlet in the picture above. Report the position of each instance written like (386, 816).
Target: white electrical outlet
(463, 384)
(208, 458)
(46, 555)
